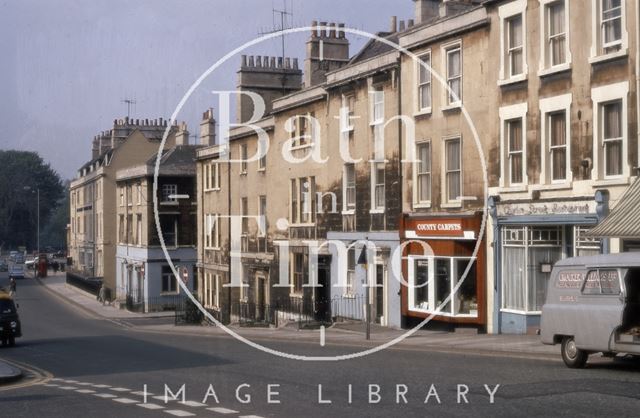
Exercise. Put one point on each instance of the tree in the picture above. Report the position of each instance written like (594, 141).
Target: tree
(22, 173)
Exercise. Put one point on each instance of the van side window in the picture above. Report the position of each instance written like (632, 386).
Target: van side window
(601, 282)
(610, 282)
(591, 284)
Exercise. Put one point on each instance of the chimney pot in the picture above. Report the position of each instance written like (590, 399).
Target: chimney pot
(410, 23)
(323, 29)
(295, 63)
(265, 61)
(279, 62)
(341, 31)
(251, 62)
(314, 28)
(258, 61)
(332, 30)
(394, 24)
(244, 61)
(273, 62)
(401, 28)
(287, 62)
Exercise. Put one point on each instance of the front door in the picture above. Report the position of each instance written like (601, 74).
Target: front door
(261, 296)
(322, 295)
(379, 294)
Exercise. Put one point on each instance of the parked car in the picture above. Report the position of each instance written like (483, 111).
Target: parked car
(31, 263)
(16, 271)
(593, 305)
(10, 327)
(4, 266)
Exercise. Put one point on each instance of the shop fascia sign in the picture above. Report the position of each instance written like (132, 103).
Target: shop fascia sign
(440, 228)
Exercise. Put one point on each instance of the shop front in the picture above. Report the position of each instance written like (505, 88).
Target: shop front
(529, 239)
(444, 267)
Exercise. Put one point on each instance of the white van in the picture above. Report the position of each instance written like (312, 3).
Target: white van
(593, 305)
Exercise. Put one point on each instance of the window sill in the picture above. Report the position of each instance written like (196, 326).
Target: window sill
(423, 205)
(565, 185)
(348, 296)
(167, 203)
(262, 170)
(301, 147)
(304, 225)
(608, 57)
(561, 68)
(512, 80)
(376, 211)
(514, 189)
(451, 205)
(453, 106)
(243, 173)
(295, 295)
(620, 181)
(349, 212)
(169, 293)
(422, 112)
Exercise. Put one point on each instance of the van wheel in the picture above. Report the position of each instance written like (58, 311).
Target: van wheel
(573, 357)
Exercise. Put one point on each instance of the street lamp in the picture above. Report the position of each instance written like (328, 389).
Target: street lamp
(38, 216)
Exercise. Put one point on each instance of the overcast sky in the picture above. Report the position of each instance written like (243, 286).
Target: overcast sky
(66, 65)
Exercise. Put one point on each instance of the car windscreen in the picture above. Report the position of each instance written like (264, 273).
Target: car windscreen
(7, 306)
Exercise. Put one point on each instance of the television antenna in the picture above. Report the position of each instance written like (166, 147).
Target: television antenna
(129, 102)
(285, 17)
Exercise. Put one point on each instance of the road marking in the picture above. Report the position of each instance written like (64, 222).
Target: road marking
(141, 393)
(150, 406)
(104, 395)
(51, 385)
(120, 389)
(68, 387)
(250, 416)
(223, 410)
(85, 391)
(124, 400)
(193, 404)
(71, 381)
(179, 413)
(84, 384)
(56, 379)
(101, 386)
(163, 398)
(322, 336)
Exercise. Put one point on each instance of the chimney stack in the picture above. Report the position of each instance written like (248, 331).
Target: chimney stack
(208, 128)
(182, 136)
(394, 24)
(426, 10)
(333, 54)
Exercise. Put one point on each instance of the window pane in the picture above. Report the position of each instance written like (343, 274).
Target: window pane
(613, 155)
(514, 278)
(453, 169)
(612, 118)
(421, 285)
(465, 300)
(442, 284)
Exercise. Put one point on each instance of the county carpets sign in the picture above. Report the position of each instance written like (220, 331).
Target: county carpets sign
(439, 228)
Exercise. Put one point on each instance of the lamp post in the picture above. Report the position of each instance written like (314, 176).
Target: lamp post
(37, 216)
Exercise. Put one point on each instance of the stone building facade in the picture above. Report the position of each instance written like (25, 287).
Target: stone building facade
(93, 229)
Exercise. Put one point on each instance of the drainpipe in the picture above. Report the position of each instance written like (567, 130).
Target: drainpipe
(602, 210)
(637, 69)
(497, 256)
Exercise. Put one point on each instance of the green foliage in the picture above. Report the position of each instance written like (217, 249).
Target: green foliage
(18, 211)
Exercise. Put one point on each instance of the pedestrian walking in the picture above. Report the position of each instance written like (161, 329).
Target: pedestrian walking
(102, 294)
(12, 287)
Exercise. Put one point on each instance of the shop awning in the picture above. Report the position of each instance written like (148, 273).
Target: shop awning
(624, 219)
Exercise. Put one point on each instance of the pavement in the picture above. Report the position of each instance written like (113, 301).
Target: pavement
(344, 333)
(9, 373)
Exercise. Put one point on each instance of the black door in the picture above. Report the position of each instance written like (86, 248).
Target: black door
(323, 295)
(379, 293)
